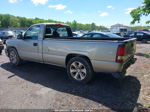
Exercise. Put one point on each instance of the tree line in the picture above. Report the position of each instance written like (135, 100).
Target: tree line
(139, 12)
(140, 27)
(7, 20)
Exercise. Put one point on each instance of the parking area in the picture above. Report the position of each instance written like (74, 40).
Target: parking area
(40, 86)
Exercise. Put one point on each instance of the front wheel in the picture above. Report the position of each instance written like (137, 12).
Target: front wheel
(14, 57)
(80, 70)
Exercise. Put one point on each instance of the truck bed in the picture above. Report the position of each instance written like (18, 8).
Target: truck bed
(100, 39)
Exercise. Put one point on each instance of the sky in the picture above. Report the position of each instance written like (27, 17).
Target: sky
(101, 12)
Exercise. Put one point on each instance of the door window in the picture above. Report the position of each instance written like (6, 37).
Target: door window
(32, 32)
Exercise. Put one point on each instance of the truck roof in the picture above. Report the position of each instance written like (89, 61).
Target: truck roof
(51, 24)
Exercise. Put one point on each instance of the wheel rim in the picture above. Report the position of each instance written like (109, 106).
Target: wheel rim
(78, 71)
(13, 57)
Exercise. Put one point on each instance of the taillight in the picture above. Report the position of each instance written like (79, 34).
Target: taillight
(121, 54)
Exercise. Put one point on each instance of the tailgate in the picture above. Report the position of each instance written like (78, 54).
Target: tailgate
(130, 46)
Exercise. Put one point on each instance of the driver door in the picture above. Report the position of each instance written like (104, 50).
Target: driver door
(28, 47)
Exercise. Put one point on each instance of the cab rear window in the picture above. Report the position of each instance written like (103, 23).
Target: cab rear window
(58, 31)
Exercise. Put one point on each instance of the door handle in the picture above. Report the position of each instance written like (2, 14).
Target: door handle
(35, 44)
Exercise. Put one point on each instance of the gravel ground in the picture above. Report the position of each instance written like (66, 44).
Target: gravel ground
(40, 86)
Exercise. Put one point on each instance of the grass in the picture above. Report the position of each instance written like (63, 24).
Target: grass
(147, 55)
(147, 105)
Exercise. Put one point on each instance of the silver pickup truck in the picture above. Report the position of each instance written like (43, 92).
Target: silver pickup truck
(54, 44)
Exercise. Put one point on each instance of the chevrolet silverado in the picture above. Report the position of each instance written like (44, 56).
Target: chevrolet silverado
(52, 43)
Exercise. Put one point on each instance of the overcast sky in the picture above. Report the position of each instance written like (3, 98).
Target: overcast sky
(102, 12)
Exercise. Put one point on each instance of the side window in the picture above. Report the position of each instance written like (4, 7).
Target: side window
(48, 32)
(87, 35)
(131, 35)
(33, 32)
(139, 34)
(62, 32)
(57, 31)
(97, 36)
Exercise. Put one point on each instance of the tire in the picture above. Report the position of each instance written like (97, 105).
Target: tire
(80, 70)
(14, 57)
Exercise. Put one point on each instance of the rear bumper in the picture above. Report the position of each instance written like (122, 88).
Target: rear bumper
(112, 67)
(121, 74)
(128, 63)
(105, 66)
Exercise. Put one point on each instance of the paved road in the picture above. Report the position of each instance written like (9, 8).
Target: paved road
(39, 86)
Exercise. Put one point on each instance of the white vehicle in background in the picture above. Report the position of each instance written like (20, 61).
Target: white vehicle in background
(6, 34)
(76, 34)
(18, 32)
(120, 29)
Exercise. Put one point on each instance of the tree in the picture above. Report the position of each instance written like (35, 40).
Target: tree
(140, 27)
(22, 21)
(93, 26)
(74, 25)
(143, 10)
(7, 20)
(14, 22)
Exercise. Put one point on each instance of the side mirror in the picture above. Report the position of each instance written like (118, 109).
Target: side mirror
(20, 36)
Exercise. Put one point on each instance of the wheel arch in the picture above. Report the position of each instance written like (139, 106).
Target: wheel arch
(9, 47)
(72, 55)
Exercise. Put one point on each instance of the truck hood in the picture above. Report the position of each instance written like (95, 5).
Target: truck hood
(11, 40)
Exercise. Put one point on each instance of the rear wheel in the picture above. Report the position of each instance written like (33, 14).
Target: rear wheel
(14, 57)
(79, 70)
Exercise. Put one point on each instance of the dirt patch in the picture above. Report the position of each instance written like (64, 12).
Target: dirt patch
(141, 70)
